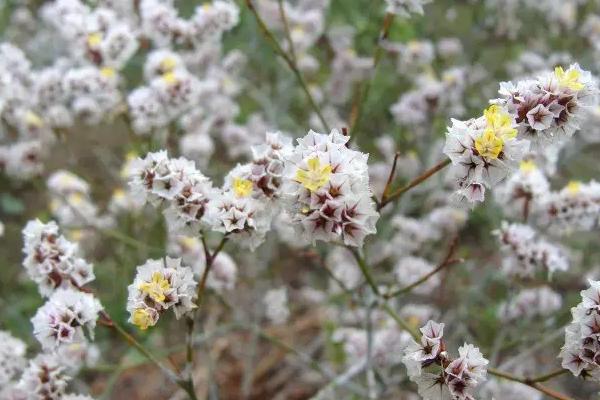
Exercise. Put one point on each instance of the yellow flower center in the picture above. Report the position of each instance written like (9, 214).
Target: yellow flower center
(75, 199)
(142, 318)
(527, 166)
(94, 39)
(569, 78)
(119, 194)
(107, 72)
(168, 64)
(156, 288)
(489, 145)
(34, 120)
(500, 122)
(170, 78)
(242, 187)
(574, 187)
(316, 176)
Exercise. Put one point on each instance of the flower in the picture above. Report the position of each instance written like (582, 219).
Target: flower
(276, 303)
(550, 107)
(12, 357)
(44, 378)
(51, 260)
(437, 375)
(406, 7)
(529, 303)
(158, 286)
(327, 190)
(574, 208)
(65, 318)
(581, 336)
(526, 252)
(483, 151)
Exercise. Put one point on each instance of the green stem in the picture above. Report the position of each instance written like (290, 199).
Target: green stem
(289, 61)
(363, 94)
(365, 270)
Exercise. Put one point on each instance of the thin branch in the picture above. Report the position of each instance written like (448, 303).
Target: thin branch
(286, 28)
(548, 376)
(390, 179)
(365, 269)
(361, 99)
(289, 61)
(415, 182)
(534, 384)
(447, 261)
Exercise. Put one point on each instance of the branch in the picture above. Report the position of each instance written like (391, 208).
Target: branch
(363, 94)
(365, 270)
(289, 61)
(533, 382)
(415, 182)
(447, 261)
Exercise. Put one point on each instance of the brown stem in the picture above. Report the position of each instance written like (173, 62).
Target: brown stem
(447, 261)
(415, 182)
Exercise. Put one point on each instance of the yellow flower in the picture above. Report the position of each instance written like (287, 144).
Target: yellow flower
(107, 72)
(94, 39)
(527, 166)
(119, 194)
(489, 145)
(168, 64)
(156, 288)
(75, 198)
(316, 176)
(33, 120)
(574, 187)
(169, 78)
(142, 318)
(242, 187)
(500, 122)
(568, 79)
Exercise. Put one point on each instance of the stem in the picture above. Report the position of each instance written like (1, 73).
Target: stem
(447, 261)
(289, 61)
(402, 323)
(364, 92)
(365, 270)
(191, 320)
(532, 383)
(288, 33)
(548, 376)
(415, 182)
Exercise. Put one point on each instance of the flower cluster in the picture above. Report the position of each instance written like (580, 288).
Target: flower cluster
(526, 253)
(582, 345)
(574, 208)
(65, 318)
(550, 107)
(52, 261)
(158, 286)
(174, 183)
(523, 191)
(12, 358)
(327, 190)
(437, 375)
(483, 151)
(530, 303)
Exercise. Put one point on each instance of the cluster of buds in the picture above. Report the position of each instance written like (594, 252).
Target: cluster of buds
(574, 208)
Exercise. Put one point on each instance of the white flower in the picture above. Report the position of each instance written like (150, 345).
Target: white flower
(176, 184)
(550, 108)
(523, 191)
(51, 260)
(66, 317)
(327, 190)
(574, 208)
(158, 286)
(525, 252)
(276, 304)
(12, 357)
(483, 151)
(44, 378)
(438, 376)
(406, 7)
(582, 343)
(530, 303)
